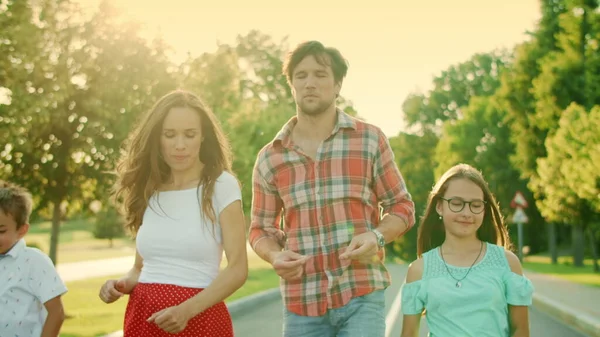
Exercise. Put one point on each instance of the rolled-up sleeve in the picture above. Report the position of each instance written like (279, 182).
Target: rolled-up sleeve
(389, 184)
(266, 205)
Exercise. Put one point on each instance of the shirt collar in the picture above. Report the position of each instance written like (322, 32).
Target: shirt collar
(16, 249)
(344, 121)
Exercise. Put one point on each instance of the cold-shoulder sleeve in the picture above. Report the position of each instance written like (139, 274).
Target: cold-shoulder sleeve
(413, 298)
(519, 289)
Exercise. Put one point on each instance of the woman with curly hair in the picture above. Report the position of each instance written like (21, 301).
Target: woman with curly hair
(182, 202)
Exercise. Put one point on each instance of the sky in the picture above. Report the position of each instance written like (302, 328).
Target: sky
(394, 47)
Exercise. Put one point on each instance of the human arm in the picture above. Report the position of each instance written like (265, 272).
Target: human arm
(46, 285)
(518, 314)
(112, 290)
(55, 317)
(265, 237)
(390, 189)
(391, 192)
(411, 322)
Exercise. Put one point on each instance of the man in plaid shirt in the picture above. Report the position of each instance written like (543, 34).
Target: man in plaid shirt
(327, 174)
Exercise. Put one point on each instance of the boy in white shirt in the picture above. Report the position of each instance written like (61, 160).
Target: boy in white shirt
(30, 288)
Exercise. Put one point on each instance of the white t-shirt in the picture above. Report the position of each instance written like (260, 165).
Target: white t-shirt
(178, 245)
(28, 279)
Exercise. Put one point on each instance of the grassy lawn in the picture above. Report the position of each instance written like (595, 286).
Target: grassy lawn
(87, 315)
(77, 242)
(564, 269)
(90, 317)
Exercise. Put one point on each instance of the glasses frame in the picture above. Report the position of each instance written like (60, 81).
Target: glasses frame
(465, 203)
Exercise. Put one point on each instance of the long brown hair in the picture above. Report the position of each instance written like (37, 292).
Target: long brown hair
(141, 170)
(431, 231)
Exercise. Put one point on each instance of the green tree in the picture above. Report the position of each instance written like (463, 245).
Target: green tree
(558, 66)
(516, 92)
(463, 111)
(89, 81)
(425, 114)
(563, 80)
(453, 89)
(571, 178)
(108, 224)
(482, 140)
(217, 78)
(415, 159)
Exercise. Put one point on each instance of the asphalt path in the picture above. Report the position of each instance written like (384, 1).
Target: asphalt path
(265, 319)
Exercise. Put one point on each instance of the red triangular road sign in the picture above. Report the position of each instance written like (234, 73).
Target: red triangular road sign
(519, 201)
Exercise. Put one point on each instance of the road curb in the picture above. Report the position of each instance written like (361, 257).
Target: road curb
(571, 317)
(238, 306)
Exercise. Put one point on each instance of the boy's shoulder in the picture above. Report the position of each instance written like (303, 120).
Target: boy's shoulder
(32, 255)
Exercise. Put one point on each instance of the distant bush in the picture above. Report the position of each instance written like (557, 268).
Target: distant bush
(108, 225)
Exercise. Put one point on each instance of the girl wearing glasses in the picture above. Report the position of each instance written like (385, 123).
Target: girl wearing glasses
(465, 277)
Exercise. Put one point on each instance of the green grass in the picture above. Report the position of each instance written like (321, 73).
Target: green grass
(88, 316)
(77, 243)
(564, 269)
(261, 276)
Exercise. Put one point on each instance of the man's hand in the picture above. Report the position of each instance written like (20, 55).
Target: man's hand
(172, 320)
(363, 247)
(289, 265)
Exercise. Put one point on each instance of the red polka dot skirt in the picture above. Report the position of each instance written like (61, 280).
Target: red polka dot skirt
(148, 298)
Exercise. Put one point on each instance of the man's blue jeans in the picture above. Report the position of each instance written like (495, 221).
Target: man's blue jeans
(362, 317)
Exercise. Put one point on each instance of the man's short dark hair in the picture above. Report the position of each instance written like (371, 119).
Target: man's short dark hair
(326, 56)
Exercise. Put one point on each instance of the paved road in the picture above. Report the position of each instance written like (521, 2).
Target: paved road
(76, 271)
(265, 320)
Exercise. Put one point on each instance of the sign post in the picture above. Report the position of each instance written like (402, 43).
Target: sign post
(519, 203)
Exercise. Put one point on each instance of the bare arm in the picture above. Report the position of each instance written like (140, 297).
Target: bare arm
(112, 290)
(134, 273)
(55, 318)
(392, 226)
(267, 248)
(518, 314)
(411, 323)
(232, 277)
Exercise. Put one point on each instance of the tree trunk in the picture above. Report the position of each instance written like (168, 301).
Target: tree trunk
(56, 215)
(578, 245)
(593, 249)
(552, 242)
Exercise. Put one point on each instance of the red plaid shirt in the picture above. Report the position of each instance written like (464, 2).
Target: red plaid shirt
(326, 202)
